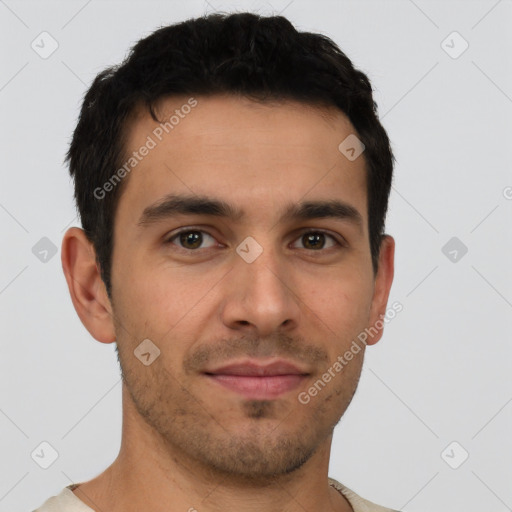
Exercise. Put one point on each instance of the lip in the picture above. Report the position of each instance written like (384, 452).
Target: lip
(258, 380)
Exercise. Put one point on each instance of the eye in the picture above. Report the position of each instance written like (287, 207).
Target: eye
(193, 239)
(190, 239)
(315, 240)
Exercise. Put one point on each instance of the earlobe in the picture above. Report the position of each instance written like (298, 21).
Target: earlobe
(85, 285)
(383, 282)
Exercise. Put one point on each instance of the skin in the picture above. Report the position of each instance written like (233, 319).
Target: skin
(187, 442)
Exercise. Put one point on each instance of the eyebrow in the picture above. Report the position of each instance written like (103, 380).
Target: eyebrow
(173, 205)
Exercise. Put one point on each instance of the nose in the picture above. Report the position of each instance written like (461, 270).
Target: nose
(261, 296)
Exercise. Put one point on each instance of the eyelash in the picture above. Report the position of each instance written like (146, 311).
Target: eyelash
(305, 232)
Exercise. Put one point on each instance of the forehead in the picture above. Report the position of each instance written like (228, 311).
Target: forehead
(254, 155)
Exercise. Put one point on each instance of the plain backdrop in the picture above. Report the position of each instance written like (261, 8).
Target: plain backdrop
(429, 427)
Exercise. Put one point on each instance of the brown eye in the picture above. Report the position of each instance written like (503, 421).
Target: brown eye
(190, 239)
(316, 240)
(194, 238)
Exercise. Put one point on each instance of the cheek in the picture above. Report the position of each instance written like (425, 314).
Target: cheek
(166, 298)
(342, 300)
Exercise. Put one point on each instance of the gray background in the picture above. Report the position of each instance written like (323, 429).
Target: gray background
(440, 374)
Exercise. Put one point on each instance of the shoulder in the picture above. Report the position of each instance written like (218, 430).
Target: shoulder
(65, 501)
(358, 504)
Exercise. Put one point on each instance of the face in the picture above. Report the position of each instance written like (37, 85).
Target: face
(250, 301)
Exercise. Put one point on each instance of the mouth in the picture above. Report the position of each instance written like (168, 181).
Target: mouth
(256, 380)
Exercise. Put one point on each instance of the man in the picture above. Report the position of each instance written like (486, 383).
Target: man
(232, 179)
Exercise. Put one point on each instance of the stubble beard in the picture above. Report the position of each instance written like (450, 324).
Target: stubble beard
(265, 444)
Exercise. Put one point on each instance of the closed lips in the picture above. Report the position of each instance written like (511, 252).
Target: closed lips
(250, 369)
(257, 380)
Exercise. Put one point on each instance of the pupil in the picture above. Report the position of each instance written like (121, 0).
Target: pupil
(192, 237)
(313, 240)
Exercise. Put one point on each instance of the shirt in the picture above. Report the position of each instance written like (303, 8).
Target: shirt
(67, 501)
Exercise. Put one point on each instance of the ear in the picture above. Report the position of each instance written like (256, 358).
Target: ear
(86, 287)
(383, 281)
